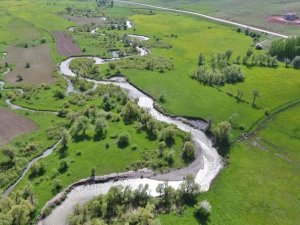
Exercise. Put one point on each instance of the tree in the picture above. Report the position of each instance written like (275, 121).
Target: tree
(37, 169)
(19, 78)
(130, 112)
(80, 125)
(203, 210)
(20, 214)
(93, 171)
(222, 133)
(63, 166)
(189, 189)
(10, 153)
(27, 65)
(64, 138)
(168, 135)
(167, 195)
(255, 96)
(59, 94)
(188, 151)
(201, 60)
(100, 127)
(123, 140)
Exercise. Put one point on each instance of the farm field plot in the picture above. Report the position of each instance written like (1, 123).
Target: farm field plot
(34, 65)
(65, 45)
(13, 125)
(254, 12)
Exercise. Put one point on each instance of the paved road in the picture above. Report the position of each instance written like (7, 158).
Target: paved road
(207, 17)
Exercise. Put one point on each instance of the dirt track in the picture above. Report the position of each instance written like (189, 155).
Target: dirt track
(13, 125)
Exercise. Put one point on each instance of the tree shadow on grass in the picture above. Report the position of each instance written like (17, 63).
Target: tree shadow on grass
(224, 150)
(80, 138)
(98, 138)
(63, 152)
(202, 220)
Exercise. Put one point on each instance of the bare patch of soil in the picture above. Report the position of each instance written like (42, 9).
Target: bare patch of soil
(85, 20)
(40, 69)
(13, 125)
(281, 20)
(65, 44)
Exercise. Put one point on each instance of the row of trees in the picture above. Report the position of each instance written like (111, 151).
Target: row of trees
(285, 48)
(126, 206)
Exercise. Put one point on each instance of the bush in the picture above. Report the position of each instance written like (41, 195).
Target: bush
(203, 209)
(37, 169)
(296, 62)
(123, 140)
(59, 94)
(63, 166)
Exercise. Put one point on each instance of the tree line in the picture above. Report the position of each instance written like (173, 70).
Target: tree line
(123, 205)
(287, 50)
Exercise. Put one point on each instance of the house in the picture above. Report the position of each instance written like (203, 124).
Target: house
(290, 16)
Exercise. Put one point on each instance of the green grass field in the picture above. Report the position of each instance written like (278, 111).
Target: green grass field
(257, 187)
(185, 96)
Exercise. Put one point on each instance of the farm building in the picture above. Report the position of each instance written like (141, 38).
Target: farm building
(290, 16)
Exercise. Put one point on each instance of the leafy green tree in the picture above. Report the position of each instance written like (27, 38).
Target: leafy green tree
(79, 127)
(123, 140)
(256, 94)
(189, 189)
(203, 210)
(201, 60)
(37, 169)
(130, 112)
(100, 127)
(188, 151)
(64, 138)
(222, 133)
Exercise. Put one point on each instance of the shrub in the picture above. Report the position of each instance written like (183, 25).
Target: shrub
(63, 166)
(93, 171)
(100, 128)
(123, 140)
(203, 209)
(19, 78)
(37, 169)
(296, 62)
(59, 94)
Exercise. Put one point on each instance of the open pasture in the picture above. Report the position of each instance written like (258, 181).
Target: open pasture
(34, 65)
(185, 96)
(13, 125)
